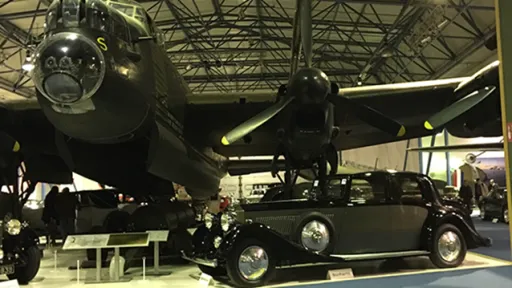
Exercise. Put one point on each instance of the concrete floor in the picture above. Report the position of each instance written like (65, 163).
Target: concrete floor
(187, 275)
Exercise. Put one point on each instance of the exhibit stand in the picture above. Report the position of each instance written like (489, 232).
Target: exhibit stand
(157, 236)
(107, 241)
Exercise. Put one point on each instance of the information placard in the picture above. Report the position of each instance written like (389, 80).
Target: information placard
(76, 242)
(128, 240)
(340, 274)
(93, 241)
(158, 235)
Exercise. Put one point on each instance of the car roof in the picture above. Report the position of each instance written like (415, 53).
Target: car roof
(382, 172)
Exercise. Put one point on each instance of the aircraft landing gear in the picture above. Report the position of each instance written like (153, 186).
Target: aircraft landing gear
(291, 172)
(290, 175)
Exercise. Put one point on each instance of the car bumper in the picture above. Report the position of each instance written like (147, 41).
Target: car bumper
(201, 261)
(6, 267)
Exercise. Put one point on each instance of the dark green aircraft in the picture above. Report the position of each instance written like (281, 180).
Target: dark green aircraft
(116, 110)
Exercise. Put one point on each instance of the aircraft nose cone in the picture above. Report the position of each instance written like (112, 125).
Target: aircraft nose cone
(310, 85)
(68, 67)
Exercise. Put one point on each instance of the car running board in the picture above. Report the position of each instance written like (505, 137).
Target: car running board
(376, 256)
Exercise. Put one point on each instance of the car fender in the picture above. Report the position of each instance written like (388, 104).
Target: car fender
(29, 237)
(286, 251)
(435, 220)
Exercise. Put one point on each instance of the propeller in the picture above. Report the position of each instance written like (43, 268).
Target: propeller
(8, 144)
(370, 116)
(312, 85)
(248, 126)
(458, 108)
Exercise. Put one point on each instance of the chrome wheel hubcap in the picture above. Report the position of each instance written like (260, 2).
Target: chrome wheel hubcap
(449, 246)
(253, 263)
(315, 236)
(505, 215)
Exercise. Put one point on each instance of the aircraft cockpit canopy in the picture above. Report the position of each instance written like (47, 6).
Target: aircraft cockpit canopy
(125, 19)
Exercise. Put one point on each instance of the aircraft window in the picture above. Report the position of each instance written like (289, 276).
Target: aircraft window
(122, 8)
(70, 13)
(119, 27)
(160, 38)
(134, 14)
(99, 20)
(51, 17)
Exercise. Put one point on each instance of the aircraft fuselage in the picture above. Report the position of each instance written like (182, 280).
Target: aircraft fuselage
(105, 82)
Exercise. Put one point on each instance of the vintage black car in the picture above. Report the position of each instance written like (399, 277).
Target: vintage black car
(20, 256)
(365, 216)
(495, 205)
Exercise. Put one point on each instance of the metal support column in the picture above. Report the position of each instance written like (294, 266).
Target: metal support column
(503, 10)
(420, 145)
(447, 157)
(406, 153)
(429, 161)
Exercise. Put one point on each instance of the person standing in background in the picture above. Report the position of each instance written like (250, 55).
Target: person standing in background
(478, 192)
(50, 217)
(66, 205)
(466, 194)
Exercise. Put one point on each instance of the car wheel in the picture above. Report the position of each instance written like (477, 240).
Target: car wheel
(505, 215)
(24, 274)
(448, 248)
(483, 214)
(251, 264)
(212, 271)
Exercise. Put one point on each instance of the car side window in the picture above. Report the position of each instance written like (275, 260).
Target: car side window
(411, 189)
(365, 189)
(336, 187)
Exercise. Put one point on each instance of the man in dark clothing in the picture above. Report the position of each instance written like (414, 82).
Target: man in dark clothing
(50, 217)
(466, 194)
(66, 204)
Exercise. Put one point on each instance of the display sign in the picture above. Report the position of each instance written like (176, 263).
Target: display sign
(128, 240)
(93, 241)
(76, 242)
(204, 279)
(10, 284)
(158, 235)
(340, 274)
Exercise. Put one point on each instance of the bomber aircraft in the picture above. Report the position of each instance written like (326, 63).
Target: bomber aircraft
(112, 107)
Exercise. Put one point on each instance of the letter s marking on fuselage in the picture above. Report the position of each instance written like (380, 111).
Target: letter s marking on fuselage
(101, 42)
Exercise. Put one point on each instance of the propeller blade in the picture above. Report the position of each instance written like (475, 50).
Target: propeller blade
(306, 28)
(248, 126)
(370, 116)
(458, 108)
(8, 144)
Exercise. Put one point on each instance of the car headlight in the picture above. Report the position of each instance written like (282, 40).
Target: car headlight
(1, 254)
(13, 227)
(225, 221)
(208, 220)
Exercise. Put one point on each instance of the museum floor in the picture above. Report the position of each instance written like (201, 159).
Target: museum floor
(488, 267)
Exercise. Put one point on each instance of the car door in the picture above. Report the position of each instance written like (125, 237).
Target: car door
(409, 204)
(366, 223)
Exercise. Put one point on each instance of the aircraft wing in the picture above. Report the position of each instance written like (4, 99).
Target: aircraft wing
(408, 103)
(461, 148)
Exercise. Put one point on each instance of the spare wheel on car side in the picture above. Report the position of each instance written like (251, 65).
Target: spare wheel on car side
(315, 232)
